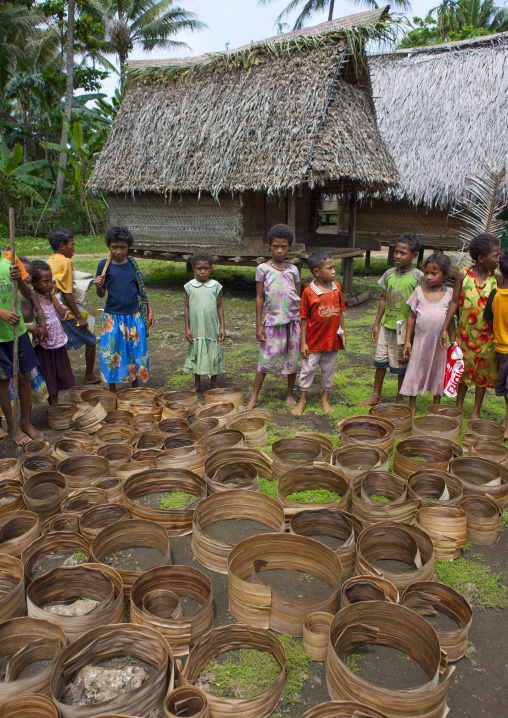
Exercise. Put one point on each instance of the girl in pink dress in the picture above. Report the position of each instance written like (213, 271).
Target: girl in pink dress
(427, 359)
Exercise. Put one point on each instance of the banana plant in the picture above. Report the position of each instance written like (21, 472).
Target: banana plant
(81, 155)
(18, 178)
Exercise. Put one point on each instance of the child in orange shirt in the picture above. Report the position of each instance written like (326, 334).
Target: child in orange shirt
(323, 333)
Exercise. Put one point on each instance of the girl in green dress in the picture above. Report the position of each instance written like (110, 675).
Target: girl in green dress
(204, 322)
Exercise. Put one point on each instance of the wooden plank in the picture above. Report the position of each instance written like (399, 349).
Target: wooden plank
(254, 214)
(291, 204)
(275, 211)
(353, 204)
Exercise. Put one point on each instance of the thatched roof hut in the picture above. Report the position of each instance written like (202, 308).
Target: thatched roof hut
(443, 113)
(243, 137)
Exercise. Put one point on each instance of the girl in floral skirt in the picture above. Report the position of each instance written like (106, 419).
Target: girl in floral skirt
(127, 315)
(278, 289)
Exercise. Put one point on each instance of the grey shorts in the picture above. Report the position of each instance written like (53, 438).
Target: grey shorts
(389, 354)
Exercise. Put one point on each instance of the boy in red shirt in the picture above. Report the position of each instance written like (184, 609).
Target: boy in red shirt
(323, 333)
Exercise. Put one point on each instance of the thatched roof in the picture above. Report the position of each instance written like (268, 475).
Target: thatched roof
(443, 112)
(268, 117)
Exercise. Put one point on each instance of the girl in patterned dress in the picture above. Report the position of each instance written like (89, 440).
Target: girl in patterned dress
(127, 315)
(429, 306)
(54, 363)
(278, 289)
(476, 335)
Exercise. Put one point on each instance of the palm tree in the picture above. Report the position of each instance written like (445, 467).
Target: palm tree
(453, 15)
(312, 6)
(145, 23)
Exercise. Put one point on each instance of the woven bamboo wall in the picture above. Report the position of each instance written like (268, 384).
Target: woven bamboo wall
(386, 221)
(184, 223)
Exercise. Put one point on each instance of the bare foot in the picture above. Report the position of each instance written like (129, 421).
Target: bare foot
(505, 438)
(93, 379)
(3, 433)
(252, 403)
(20, 438)
(195, 389)
(326, 407)
(290, 401)
(475, 416)
(371, 402)
(299, 409)
(32, 432)
(399, 399)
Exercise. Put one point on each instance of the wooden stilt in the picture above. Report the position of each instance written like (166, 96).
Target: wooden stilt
(12, 234)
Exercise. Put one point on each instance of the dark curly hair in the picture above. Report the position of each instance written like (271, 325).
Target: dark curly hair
(412, 241)
(202, 257)
(119, 234)
(316, 259)
(59, 236)
(440, 260)
(503, 263)
(39, 266)
(483, 244)
(281, 231)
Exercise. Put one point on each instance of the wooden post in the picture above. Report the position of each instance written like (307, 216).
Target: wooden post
(291, 198)
(347, 263)
(367, 258)
(420, 255)
(12, 234)
(391, 255)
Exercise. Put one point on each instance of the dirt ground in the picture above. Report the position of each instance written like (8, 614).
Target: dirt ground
(475, 690)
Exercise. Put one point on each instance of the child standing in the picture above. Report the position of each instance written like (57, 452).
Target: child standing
(54, 364)
(427, 358)
(204, 322)
(27, 359)
(476, 336)
(75, 326)
(496, 312)
(278, 289)
(127, 315)
(38, 331)
(398, 284)
(323, 333)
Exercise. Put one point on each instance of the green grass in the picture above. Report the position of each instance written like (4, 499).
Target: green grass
(468, 654)
(468, 576)
(353, 662)
(268, 487)
(80, 557)
(379, 497)
(504, 520)
(176, 499)
(246, 672)
(314, 496)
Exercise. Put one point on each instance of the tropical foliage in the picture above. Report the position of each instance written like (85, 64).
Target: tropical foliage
(310, 7)
(54, 119)
(457, 20)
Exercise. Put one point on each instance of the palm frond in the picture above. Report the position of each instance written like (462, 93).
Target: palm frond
(480, 206)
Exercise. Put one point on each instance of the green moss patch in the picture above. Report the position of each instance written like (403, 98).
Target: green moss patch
(242, 674)
(475, 581)
(176, 499)
(268, 487)
(379, 497)
(314, 496)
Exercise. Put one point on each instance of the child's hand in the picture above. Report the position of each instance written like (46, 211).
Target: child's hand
(304, 351)
(407, 350)
(82, 322)
(260, 334)
(343, 337)
(442, 340)
(15, 273)
(99, 281)
(222, 335)
(151, 318)
(375, 333)
(43, 334)
(8, 316)
(189, 336)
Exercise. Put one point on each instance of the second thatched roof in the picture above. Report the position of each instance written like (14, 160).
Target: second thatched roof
(268, 117)
(443, 112)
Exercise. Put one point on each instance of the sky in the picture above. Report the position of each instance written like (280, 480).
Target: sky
(239, 22)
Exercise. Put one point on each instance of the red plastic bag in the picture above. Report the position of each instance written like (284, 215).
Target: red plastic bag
(454, 369)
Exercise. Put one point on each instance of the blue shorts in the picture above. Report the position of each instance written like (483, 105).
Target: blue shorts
(77, 336)
(27, 359)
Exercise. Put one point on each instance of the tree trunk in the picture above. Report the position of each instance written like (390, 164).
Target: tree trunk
(123, 61)
(330, 13)
(68, 93)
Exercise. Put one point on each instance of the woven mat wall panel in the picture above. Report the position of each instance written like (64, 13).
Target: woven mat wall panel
(158, 222)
